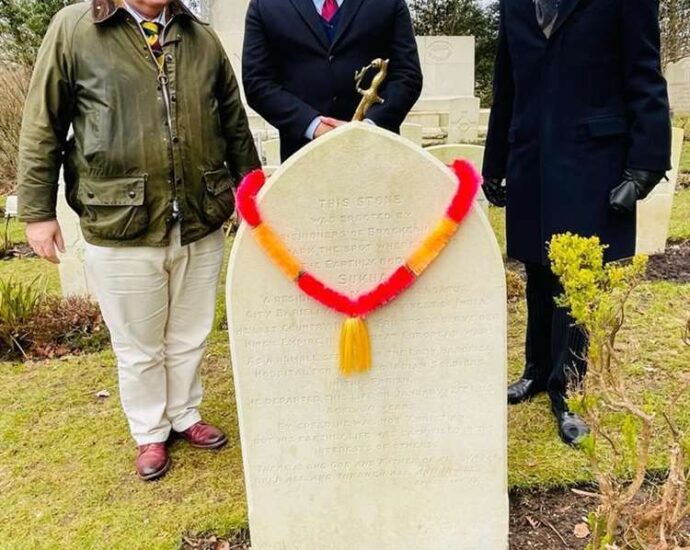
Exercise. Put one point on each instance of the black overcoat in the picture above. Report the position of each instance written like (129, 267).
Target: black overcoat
(570, 113)
(292, 73)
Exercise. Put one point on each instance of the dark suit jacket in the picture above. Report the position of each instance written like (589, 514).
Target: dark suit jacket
(570, 114)
(292, 74)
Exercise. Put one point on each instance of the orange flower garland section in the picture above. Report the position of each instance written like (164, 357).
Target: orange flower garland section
(355, 348)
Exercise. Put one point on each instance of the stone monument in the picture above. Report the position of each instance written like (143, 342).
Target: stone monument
(72, 268)
(472, 153)
(654, 213)
(227, 18)
(678, 76)
(412, 454)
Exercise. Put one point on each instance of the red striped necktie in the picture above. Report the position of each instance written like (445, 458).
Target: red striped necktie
(330, 8)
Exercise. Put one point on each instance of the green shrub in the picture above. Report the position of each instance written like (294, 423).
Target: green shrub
(14, 83)
(18, 303)
(23, 24)
(628, 515)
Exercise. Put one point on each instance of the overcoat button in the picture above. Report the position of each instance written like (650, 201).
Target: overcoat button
(132, 194)
(90, 195)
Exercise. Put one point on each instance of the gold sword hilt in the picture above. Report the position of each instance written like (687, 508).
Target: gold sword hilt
(370, 97)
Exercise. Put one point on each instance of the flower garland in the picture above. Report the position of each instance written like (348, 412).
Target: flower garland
(355, 346)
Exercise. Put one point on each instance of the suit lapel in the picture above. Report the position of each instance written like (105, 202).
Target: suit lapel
(565, 11)
(349, 10)
(312, 19)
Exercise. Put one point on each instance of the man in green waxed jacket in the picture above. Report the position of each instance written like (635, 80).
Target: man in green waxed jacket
(160, 141)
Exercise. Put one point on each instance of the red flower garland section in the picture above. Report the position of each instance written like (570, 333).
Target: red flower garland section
(402, 279)
(355, 349)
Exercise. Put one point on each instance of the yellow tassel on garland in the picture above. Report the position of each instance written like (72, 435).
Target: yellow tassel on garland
(355, 346)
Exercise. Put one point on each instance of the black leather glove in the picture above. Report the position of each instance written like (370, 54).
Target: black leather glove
(636, 186)
(496, 191)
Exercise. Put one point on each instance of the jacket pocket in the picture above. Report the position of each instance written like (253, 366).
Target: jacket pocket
(113, 208)
(218, 199)
(603, 127)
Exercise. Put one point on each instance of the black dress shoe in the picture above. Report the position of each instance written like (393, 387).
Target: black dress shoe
(571, 428)
(521, 391)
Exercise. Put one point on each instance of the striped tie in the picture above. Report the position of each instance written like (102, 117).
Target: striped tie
(152, 32)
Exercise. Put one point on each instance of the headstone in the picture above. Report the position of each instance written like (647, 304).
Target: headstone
(448, 65)
(72, 268)
(271, 152)
(463, 124)
(413, 132)
(457, 117)
(411, 455)
(228, 18)
(447, 154)
(678, 77)
(11, 206)
(654, 213)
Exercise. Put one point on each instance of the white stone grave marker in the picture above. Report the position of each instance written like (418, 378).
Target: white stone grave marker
(411, 455)
(72, 268)
(654, 213)
(413, 132)
(472, 153)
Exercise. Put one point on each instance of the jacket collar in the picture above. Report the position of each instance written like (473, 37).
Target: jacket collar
(103, 10)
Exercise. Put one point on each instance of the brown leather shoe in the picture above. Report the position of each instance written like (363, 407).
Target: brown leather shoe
(204, 436)
(153, 461)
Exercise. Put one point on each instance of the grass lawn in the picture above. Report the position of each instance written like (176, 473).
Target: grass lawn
(685, 156)
(680, 223)
(66, 475)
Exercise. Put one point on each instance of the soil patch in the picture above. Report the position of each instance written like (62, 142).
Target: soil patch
(238, 541)
(684, 181)
(17, 252)
(674, 266)
(548, 520)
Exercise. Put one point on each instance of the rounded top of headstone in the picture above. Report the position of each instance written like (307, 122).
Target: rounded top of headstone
(358, 194)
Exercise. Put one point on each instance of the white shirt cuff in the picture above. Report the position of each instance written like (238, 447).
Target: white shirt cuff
(311, 129)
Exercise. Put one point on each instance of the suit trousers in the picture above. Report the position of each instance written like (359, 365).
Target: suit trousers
(555, 346)
(159, 305)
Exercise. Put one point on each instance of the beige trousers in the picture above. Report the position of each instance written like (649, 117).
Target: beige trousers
(159, 305)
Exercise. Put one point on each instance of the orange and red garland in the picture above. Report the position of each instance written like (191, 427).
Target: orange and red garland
(355, 347)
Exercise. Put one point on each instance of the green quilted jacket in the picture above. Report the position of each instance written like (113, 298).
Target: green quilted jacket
(148, 147)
